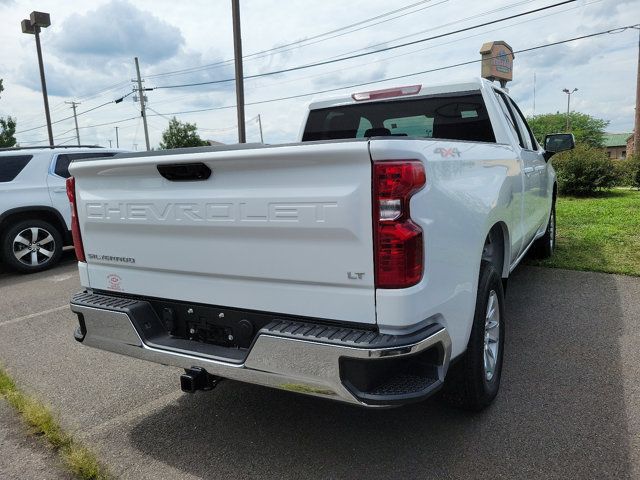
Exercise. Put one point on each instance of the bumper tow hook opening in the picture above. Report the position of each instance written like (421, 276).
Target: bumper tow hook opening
(197, 378)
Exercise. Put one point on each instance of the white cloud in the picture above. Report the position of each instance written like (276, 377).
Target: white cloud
(113, 32)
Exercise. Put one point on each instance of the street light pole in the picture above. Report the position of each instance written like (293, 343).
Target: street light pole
(32, 26)
(569, 93)
(237, 51)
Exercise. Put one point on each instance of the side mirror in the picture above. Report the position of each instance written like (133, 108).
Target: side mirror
(558, 142)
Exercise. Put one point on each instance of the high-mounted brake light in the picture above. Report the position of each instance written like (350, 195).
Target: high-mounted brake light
(75, 225)
(387, 93)
(398, 241)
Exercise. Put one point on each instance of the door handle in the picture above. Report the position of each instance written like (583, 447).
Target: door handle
(528, 170)
(540, 168)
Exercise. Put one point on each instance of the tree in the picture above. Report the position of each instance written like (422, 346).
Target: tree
(181, 134)
(7, 128)
(585, 128)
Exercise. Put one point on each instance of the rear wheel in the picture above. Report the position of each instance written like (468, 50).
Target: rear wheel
(473, 381)
(31, 246)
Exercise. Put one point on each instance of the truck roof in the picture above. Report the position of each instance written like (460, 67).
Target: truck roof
(425, 89)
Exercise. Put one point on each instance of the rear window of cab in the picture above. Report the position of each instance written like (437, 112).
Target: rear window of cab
(459, 116)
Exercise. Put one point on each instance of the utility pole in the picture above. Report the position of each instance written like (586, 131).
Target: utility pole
(237, 51)
(75, 119)
(569, 93)
(260, 126)
(636, 131)
(117, 139)
(109, 143)
(143, 112)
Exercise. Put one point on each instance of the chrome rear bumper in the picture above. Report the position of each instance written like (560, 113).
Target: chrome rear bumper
(288, 355)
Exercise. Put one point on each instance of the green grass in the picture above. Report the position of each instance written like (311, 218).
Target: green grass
(600, 234)
(77, 458)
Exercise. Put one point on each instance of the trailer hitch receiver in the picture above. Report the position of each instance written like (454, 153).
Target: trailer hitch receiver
(197, 378)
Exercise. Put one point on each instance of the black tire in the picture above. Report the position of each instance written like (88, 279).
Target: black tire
(468, 384)
(48, 239)
(546, 244)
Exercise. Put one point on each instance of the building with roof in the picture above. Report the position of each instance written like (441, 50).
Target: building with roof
(630, 142)
(616, 145)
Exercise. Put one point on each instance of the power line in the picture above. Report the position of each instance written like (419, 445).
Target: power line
(79, 113)
(308, 40)
(112, 123)
(385, 49)
(397, 77)
(440, 26)
(46, 140)
(412, 52)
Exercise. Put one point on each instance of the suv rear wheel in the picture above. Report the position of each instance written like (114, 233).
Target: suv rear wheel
(31, 246)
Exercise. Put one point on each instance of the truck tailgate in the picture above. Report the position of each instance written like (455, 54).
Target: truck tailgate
(277, 229)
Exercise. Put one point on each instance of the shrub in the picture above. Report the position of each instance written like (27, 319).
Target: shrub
(584, 170)
(626, 171)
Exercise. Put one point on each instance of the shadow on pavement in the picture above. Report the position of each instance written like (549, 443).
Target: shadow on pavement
(560, 412)
(8, 276)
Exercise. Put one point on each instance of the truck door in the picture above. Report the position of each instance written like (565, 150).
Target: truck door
(536, 179)
(519, 229)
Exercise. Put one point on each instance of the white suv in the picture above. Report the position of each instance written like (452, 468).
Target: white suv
(35, 218)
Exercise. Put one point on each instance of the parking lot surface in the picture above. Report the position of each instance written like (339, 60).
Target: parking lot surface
(569, 406)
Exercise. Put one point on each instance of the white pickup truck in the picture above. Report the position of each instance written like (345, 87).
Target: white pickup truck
(366, 263)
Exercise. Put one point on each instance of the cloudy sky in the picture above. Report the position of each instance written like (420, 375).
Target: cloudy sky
(89, 50)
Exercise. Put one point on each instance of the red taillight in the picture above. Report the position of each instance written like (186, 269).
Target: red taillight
(75, 226)
(398, 240)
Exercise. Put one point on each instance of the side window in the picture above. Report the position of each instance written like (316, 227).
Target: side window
(11, 166)
(65, 159)
(62, 165)
(509, 117)
(524, 126)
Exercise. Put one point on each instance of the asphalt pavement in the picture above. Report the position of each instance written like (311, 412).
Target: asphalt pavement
(22, 456)
(569, 406)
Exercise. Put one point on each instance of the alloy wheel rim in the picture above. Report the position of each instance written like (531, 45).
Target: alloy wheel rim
(491, 335)
(33, 246)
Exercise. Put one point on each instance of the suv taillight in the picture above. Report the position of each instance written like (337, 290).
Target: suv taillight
(398, 240)
(75, 226)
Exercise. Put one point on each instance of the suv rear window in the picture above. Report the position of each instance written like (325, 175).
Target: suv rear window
(11, 166)
(65, 159)
(461, 116)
